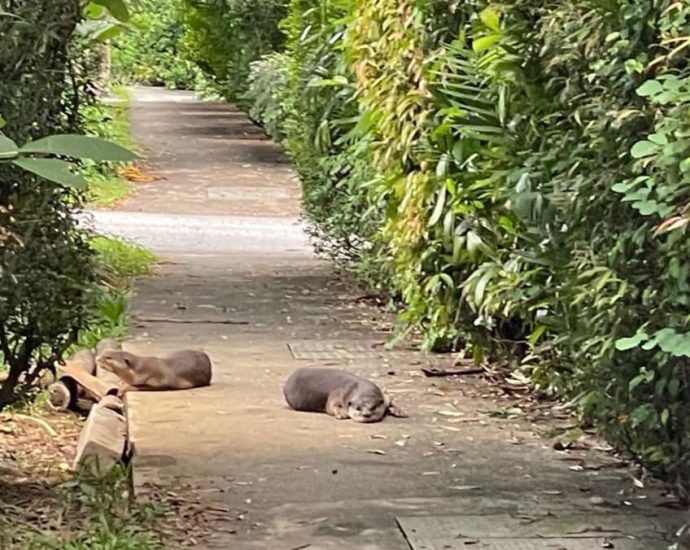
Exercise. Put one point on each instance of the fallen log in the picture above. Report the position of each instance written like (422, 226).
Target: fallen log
(76, 387)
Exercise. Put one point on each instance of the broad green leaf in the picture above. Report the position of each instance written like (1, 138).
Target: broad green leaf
(622, 187)
(485, 42)
(72, 145)
(646, 207)
(623, 344)
(490, 18)
(8, 148)
(651, 87)
(643, 148)
(2, 122)
(93, 11)
(677, 344)
(107, 33)
(637, 195)
(99, 30)
(659, 139)
(649, 344)
(55, 170)
(117, 8)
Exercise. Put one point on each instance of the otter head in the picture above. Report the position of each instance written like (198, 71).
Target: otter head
(120, 363)
(368, 406)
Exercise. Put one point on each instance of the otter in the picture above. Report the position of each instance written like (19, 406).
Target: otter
(181, 370)
(107, 344)
(86, 360)
(338, 393)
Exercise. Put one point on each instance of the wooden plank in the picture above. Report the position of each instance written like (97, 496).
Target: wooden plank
(103, 440)
(94, 387)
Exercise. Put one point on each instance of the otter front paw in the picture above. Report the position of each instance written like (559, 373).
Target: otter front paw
(337, 410)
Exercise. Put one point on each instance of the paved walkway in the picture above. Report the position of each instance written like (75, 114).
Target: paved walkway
(240, 272)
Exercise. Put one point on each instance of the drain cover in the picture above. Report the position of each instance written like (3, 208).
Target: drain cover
(504, 532)
(320, 350)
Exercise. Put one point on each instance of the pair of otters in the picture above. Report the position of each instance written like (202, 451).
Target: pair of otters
(338, 393)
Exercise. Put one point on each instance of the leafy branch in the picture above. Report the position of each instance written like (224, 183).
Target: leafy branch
(37, 156)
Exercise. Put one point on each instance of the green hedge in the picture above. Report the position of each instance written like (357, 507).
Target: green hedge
(518, 174)
(224, 37)
(152, 51)
(46, 265)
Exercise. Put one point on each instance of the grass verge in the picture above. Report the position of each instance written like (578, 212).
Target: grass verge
(86, 511)
(118, 262)
(109, 121)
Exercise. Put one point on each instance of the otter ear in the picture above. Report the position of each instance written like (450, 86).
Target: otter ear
(128, 362)
(386, 400)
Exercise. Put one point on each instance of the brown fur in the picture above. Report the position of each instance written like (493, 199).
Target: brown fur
(339, 394)
(107, 344)
(181, 370)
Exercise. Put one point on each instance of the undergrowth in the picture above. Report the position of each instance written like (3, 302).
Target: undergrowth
(119, 262)
(92, 511)
(108, 120)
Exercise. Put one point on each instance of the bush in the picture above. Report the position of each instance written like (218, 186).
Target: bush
(225, 36)
(45, 262)
(152, 52)
(516, 173)
(520, 169)
(321, 136)
(265, 93)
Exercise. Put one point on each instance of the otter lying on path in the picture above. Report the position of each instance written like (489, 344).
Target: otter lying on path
(338, 393)
(181, 370)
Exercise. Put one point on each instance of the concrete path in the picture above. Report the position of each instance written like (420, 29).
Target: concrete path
(241, 275)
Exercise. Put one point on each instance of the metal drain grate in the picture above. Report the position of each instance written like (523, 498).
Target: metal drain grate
(570, 531)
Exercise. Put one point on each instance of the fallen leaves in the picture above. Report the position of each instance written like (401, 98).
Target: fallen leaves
(376, 452)
(38, 445)
(134, 173)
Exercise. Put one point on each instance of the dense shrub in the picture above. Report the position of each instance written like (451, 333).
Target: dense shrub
(225, 36)
(321, 135)
(152, 51)
(518, 173)
(265, 95)
(45, 262)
